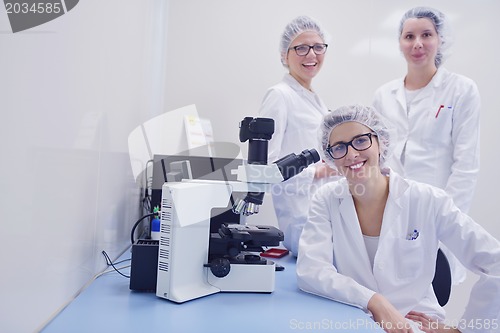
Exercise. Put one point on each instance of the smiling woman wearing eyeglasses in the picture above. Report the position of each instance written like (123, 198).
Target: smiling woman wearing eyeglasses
(297, 112)
(372, 237)
(359, 142)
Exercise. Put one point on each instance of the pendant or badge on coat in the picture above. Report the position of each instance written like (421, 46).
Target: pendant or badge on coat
(412, 235)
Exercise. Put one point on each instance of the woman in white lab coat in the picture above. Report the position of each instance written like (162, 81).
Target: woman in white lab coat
(372, 237)
(297, 112)
(436, 113)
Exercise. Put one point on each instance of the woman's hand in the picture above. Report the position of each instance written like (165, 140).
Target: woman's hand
(429, 325)
(386, 315)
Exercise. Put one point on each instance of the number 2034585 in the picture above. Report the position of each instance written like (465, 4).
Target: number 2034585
(33, 8)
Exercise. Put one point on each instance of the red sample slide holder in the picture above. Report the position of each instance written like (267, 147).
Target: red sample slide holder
(274, 253)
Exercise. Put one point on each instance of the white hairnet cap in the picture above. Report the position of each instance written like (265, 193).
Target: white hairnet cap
(365, 115)
(297, 26)
(441, 25)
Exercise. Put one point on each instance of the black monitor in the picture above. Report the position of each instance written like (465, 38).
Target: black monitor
(170, 167)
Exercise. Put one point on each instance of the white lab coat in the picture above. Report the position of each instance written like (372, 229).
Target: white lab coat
(297, 114)
(440, 150)
(333, 261)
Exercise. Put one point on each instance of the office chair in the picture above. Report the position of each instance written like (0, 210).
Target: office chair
(442, 279)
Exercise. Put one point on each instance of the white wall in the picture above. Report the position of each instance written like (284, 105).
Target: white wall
(74, 88)
(71, 91)
(223, 54)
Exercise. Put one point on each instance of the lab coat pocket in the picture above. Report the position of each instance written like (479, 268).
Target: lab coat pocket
(410, 254)
(439, 126)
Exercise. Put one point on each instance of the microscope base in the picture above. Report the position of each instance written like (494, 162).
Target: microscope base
(246, 278)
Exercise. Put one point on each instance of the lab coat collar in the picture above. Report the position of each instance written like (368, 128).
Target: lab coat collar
(397, 188)
(397, 185)
(295, 85)
(341, 189)
(436, 81)
(398, 89)
(439, 77)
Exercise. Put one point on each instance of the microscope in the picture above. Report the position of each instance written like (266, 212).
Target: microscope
(194, 262)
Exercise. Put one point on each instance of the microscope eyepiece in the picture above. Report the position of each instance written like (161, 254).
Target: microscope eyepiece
(258, 131)
(292, 164)
(311, 156)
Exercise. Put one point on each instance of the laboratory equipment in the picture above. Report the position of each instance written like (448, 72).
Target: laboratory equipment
(194, 262)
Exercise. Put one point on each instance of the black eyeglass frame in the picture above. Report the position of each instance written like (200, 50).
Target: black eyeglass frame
(347, 144)
(309, 50)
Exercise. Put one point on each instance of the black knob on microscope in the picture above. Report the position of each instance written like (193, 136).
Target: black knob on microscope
(220, 267)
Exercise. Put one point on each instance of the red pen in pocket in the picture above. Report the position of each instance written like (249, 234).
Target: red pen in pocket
(439, 110)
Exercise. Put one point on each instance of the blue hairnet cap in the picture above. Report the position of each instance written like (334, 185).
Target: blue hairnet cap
(365, 115)
(293, 29)
(441, 24)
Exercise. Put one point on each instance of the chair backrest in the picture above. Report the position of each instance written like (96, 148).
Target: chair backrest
(442, 279)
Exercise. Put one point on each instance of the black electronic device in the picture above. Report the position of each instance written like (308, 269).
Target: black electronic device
(144, 264)
(203, 168)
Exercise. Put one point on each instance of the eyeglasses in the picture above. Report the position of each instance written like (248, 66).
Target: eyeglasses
(360, 142)
(303, 50)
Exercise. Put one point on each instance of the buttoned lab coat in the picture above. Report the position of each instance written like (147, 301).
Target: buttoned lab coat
(333, 261)
(297, 114)
(442, 149)
(438, 137)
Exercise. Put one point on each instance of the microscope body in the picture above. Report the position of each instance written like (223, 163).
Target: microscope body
(192, 261)
(184, 257)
